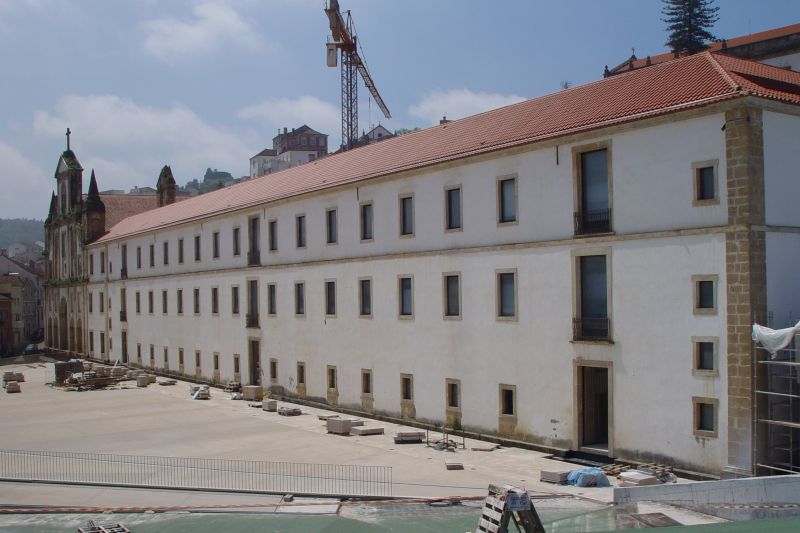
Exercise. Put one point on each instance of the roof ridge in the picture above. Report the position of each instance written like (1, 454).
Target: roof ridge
(717, 65)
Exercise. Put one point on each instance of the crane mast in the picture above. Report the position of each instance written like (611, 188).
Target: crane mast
(345, 43)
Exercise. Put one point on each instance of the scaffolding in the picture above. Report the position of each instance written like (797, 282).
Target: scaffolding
(777, 409)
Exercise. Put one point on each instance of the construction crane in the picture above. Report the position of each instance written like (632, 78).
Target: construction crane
(345, 42)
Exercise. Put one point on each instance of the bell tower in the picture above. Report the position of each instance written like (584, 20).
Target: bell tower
(69, 181)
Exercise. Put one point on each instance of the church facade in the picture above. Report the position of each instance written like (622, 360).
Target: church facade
(579, 271)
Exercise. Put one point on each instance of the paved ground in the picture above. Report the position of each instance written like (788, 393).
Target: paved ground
(164, 421)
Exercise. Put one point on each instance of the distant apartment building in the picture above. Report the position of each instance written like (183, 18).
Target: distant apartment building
(580, 271)
(289, 149)
(6, 325)
(32, 295)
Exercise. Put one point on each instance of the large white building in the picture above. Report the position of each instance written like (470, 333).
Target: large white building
(578, 271)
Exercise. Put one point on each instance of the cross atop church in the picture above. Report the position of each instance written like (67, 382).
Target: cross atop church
(68, 134)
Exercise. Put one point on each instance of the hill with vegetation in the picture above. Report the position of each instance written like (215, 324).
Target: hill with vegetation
(20, 230)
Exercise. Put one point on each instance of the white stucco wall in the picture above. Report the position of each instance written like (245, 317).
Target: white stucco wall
(651, 295)
(781, 168)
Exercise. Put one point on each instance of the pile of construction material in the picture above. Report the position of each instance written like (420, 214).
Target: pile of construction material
(11, 381)
(253, 393)
(200, 392)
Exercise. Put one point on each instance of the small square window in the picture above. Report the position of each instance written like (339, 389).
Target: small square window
(705, 416)
(453, 394)
(508, 403)
(407, 387)
(331, 377)
(366, 382)
(706, 191)
(705, 355)
(705, 294)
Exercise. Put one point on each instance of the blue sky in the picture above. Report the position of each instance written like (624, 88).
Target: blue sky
(198, 84)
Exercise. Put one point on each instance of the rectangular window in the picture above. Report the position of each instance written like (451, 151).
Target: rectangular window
(406, 387)
(705, 183)
(406, 293)
(102, 342)
(237, 250)
(235, 363)
(139, 257)
(705, 416)
(453, 394)
(197, 361)
(507, 200)
(506, 295)
(166, 357)
(179, 301)
(216, 362)
(366, 382)
(272, 299)
(301, 231)
(705, 354)
(138, 303)
(139, 353)
(301, 373)
(705, 296)
(453, 208)
(91, 341)
(273, 370)
(235, 300)
(330, 298)
(91, 264)
(508, 401)
(331, 377)
(215, 245)
(180, 358)
(299, 298)
(592, 316)
(102, 262)
(180, 251)
(91, 297)
(165, 252)
(197, 247)
(406, 216)
(366, 222)
(152, 255)
(214, 300)
(273, 235)
(252, 303)
(124, 254)
(452, 295)
(150, 304)
(197, 301)
(365, 297)
(593, 213)
(331, 228)
(164, 302)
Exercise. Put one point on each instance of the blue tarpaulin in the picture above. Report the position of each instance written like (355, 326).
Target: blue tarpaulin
(587, 477)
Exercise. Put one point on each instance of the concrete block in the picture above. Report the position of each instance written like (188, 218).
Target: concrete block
(454, 465)
(327, 417)
(634, 478)
(408, 437)
(554, 476)
(270, 405)
(13, 386)
(339, 426)
(142, 380)
(362, 431)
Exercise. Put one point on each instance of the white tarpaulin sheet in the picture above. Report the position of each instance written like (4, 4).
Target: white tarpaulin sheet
(774, 339)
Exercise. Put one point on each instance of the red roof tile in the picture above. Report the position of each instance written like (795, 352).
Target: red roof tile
(717, 46)
(669, 87)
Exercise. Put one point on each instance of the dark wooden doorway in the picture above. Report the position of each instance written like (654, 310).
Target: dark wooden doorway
(255, 362)
(594, 407)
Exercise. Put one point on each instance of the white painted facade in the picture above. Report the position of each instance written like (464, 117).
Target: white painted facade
(791, 61)
(661, 240)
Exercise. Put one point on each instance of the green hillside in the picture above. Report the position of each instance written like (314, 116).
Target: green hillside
(20, 230)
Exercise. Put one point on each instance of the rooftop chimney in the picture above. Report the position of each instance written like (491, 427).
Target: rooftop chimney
(444, 120)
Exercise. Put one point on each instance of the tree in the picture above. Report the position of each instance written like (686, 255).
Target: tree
(688, 22)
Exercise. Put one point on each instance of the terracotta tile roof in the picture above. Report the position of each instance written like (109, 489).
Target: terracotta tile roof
(122, 206)
(673, 86)
(716, 46)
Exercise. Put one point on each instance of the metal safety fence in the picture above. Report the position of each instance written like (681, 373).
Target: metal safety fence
(196, 473)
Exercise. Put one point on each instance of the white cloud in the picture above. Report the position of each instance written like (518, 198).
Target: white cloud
(131, 142)
(459, 103)
(213, 25)
(24, 184)
(293, 112)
